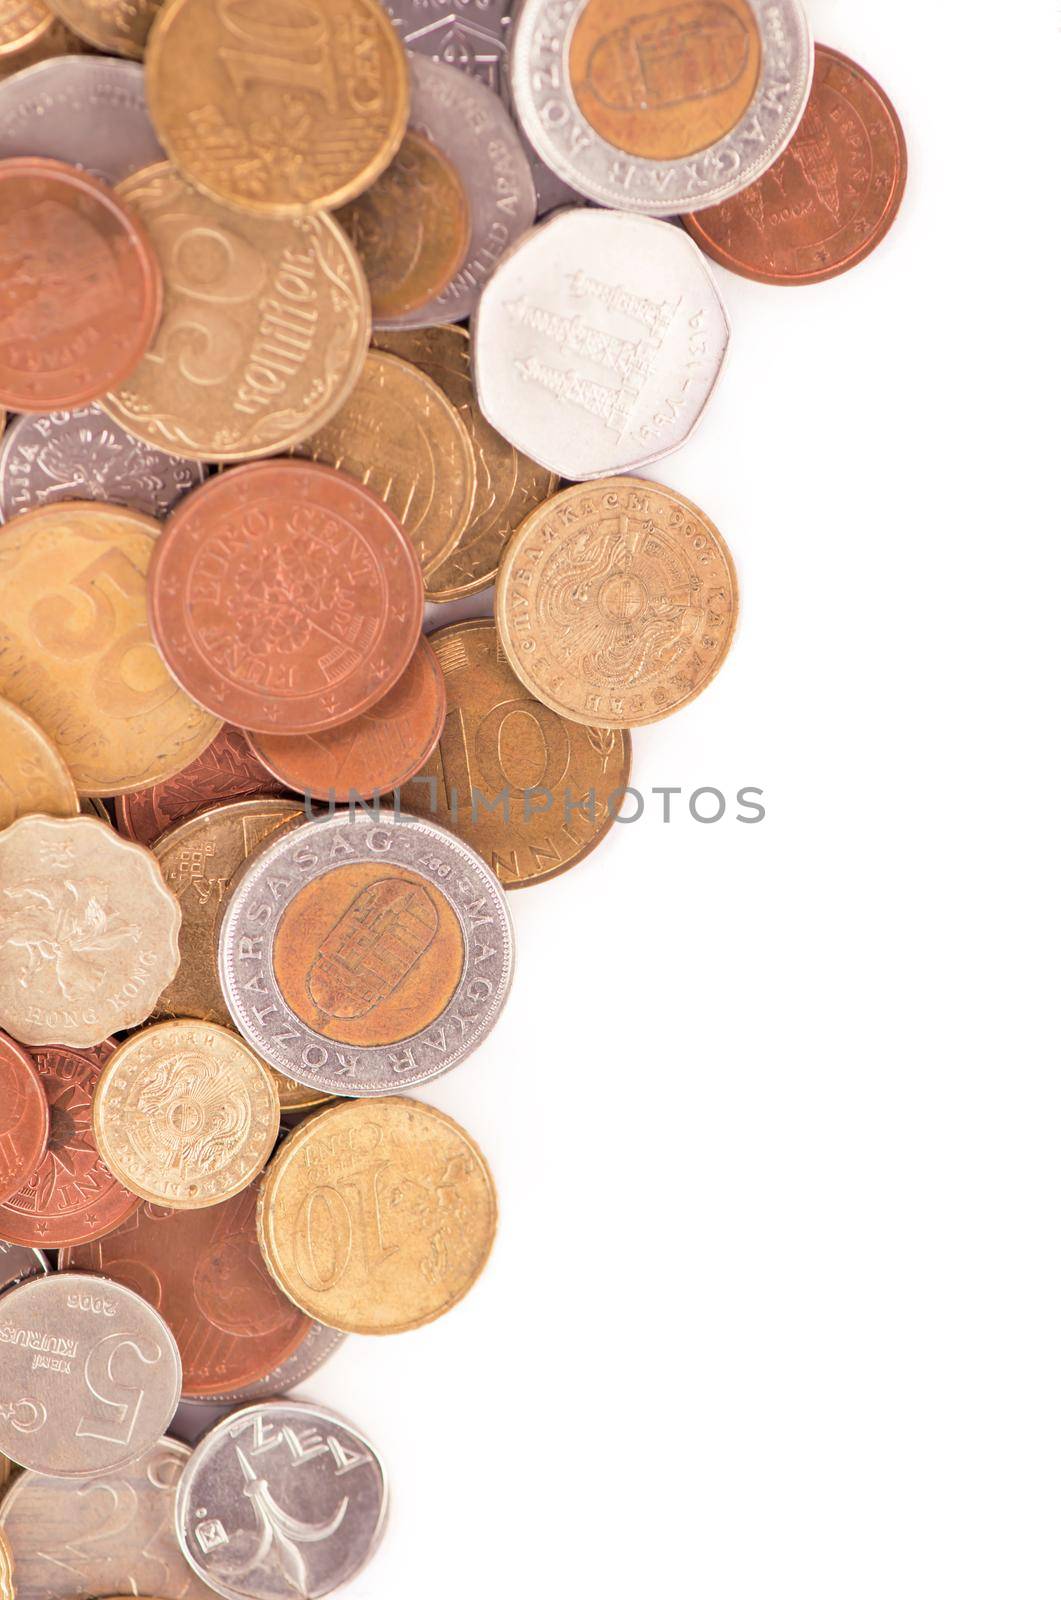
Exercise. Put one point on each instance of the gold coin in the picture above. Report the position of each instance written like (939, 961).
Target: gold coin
(281, 109)
(88, 931)
(185, 1115)
(411, 229)
(377, 1216)
(264, 327)
(7, 1571)
(57, 40)
(33, 775)
(531, 791)
(22, 23)
(508, 484)
(616, 602)
(120, 27)
(400, 435)
(76, 652)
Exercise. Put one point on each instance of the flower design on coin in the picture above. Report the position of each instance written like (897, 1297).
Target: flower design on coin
(70, 926)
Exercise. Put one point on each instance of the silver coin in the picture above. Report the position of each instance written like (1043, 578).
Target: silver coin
(87, 110)
(598, 341)
(84, 455)
(278, 1498)
(469, 124)
(454, 880)
(90, 1375)
(315, 1349)
(549, 113)
(112, 1534)
(19, 1263)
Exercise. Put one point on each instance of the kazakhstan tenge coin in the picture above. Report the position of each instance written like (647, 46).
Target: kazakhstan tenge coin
(598, 342)
(86, 110)
(363, 955)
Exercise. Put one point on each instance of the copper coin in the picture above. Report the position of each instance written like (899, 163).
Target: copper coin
(23, 1117)
(80, 287)
(204, 1273)
(228, 769)
(285, 596)
(71, 1197)
(829, 200)
(376, 752)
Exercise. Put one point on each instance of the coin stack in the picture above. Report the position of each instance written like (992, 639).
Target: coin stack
(303, 320)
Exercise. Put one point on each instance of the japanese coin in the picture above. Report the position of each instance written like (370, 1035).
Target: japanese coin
(185, 1115)
(33, 775)
(318, 1345)
(90, 1373)
(359, 954)
(598, 342)
(17, 1263)
(21, 23)
(84, 110)
(24, 1120)
(226, 770)
(88, 931)
(119, 27)
(278, 112)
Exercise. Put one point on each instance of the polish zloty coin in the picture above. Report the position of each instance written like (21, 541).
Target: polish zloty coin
(86, 110)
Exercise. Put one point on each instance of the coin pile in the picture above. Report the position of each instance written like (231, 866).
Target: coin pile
(250, 435)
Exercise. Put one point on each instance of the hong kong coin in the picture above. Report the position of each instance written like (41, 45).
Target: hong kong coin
(829, 200)
(24, 1119)
(318, 1345)
(226, 770)
(362, 954)
(21, 23)
(112, 1534)
(85, 110)
(185, 1115)
(660, 107)
(17, 1263)
(598, 341)
(33, 775)
(263, 334)
(88, 931)
(89, 1372)
(278, 113)
(377, 1217)
(119, 27)
(616, 603)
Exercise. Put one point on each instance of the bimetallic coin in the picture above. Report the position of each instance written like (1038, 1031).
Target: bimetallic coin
(319, 1344)
(17, 1264)
(598, 342)
(119, 27)
(90, 1375)
(24, 1119)
(361, 954)
(226, 770)
(185, 1115)
(21, 23)
(33, 775)
(88, 931)
(84, 110)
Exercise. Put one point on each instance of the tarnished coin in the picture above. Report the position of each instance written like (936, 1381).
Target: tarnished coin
(285, 596)
(76, 651)
(373, 754)
(265, 324)
(33, 775)
(377, 1216)
(508, 485)
(185, 1115)
(830, 198)
(401, 437)
(616, 603)
(359, 955)
(84, 110)
(203, 1271)
(319, 1344)
(21, 23)
(112, 1534)
(90, 1375)
(57, 40)
(17, 1263)
(278, 112)
(118, 27)
(88, 931)
(226, 770)
(598, 342)
(24, 1119)
(281, 1496)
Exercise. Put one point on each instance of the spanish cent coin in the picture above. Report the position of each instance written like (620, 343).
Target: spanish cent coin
(90, 1375)
(319, 1344)
(657, 61)
(84, 455)
(280, 1497)
(365, 955)
(87, 110)
(598, 342)
(18, 1263)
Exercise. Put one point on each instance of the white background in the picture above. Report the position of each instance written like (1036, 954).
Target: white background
(773, 1308)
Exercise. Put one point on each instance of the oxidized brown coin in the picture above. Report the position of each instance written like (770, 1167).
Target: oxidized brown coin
(71, 1197)
(403, 439)
(118, 27)
(508, 484)
(616, 602)
(23, 1118)
(373, 754)
(203, 1271)
(411, 229)
(531, 791)
(227, 770)
(285, 597)
(830, 198)
(278, 110)
(22, 23)
(80, 287)
(33, 775)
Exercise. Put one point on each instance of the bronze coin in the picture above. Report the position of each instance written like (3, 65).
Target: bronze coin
(80, 287)
(23, 1118)
(22, 23)
(227, 770)
(285, 596)
(373, 754)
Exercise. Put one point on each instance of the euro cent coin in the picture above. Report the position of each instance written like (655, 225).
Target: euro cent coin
(24, 1118)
